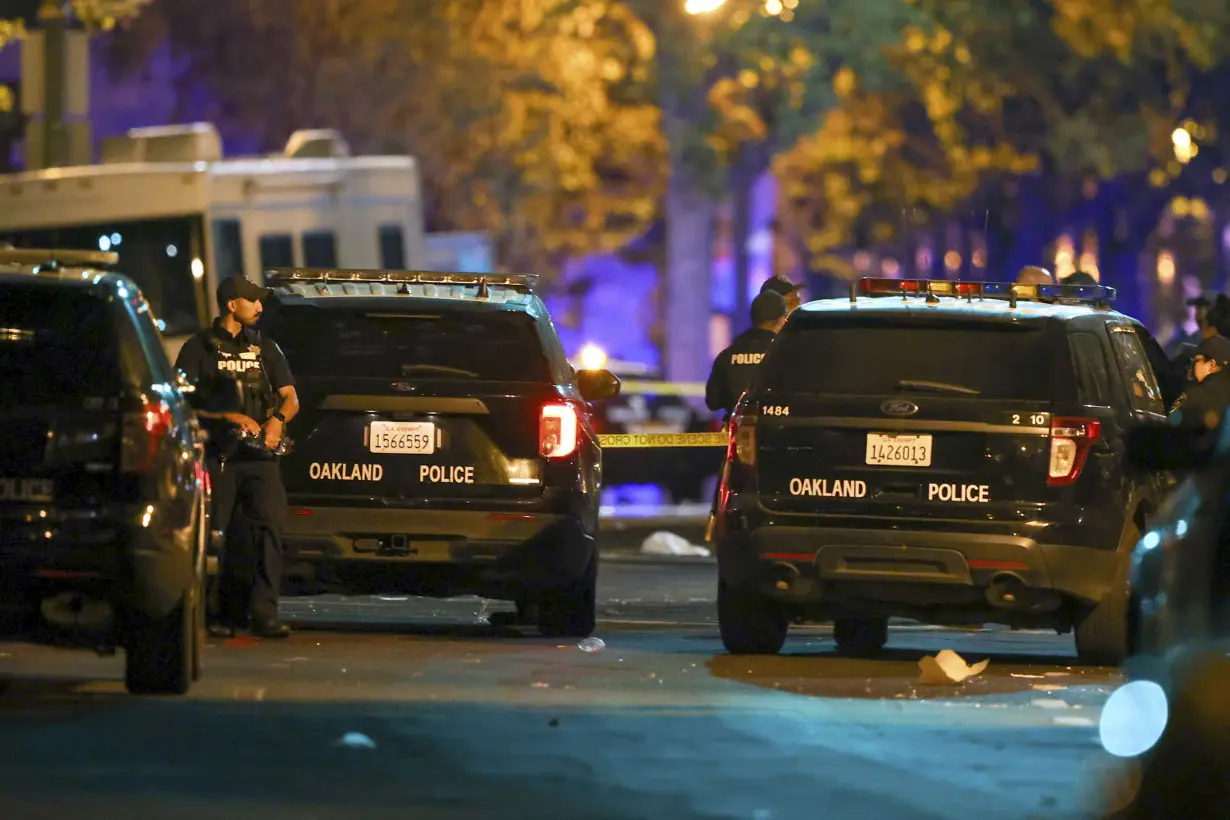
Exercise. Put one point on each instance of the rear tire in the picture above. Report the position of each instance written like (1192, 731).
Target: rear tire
(159, 657)
(860, 636)
(571, 612)
(1104, 633)
(750, 624)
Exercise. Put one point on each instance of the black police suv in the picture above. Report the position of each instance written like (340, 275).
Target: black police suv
(444, 446)
(951, 453)
(103, 493)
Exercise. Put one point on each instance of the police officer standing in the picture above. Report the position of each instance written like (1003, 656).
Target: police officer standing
(733, 368)
(245, 389)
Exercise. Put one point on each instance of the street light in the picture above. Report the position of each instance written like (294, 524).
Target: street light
(702, 6)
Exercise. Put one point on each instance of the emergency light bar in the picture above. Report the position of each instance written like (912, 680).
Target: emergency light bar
(522, 282)
(869, 286)
(57, 258)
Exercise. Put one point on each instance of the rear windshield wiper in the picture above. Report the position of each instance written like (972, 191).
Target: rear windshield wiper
(438, 368)
(935, 387)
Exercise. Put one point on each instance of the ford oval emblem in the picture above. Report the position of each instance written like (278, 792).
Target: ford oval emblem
(403, 387)
(899, 408)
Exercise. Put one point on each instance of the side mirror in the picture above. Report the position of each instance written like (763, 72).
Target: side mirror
(597, 385)
(1165, 447)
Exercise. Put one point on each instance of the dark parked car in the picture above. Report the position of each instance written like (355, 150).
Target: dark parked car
(444, 446)
(1181, 566)
(947, 452)
(103, 494)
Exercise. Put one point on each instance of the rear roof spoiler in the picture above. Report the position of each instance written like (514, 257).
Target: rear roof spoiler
(58, 258)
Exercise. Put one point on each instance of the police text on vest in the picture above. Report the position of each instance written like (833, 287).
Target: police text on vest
(746, 358)
(828, 488)
(960, 493)
(340, 471)
(439, 474)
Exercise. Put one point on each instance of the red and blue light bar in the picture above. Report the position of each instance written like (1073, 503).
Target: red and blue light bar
(870, 286)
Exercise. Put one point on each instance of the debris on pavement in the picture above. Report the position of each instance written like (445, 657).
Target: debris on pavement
(668, 543)
(591, 645)
(1018, 675)
(553, 722)
(948, 667)
(356, 740)
(1049, 703)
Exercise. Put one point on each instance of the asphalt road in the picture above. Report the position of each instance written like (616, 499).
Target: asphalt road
(406, 708)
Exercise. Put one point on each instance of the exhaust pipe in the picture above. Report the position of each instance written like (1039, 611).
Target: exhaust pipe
(1009, 591)
(74, 610)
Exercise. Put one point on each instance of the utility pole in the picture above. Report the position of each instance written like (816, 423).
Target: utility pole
(55, 90)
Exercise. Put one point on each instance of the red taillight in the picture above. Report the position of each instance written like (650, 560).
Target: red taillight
(1071, 439)
(144, 430)
(557, 430)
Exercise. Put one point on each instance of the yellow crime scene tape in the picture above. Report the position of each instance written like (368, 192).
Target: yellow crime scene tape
(631, 440)
(649, 388)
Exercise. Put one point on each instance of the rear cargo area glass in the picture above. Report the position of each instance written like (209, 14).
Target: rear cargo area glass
(872, 356)
(453, 344)
(55, 343)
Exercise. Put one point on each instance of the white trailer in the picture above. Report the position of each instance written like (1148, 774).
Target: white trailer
(182, 217)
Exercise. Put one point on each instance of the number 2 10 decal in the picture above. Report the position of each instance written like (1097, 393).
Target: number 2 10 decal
(775, 410)
(1036, 419)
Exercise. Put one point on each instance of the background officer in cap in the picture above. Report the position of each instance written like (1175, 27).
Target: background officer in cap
(244, 386)
(733, 368)
(786, 289)
(1207, 396)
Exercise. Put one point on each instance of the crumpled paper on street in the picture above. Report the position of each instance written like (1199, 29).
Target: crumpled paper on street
(667, 543)
(948, 668)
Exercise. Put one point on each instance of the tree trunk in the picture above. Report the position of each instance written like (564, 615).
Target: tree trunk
(690, 219)
(751, 162)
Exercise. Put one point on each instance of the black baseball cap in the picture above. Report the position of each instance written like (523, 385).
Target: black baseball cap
(239, 287)
(780, 286)
(1200, 301)
(768, 306)
(1215, 349)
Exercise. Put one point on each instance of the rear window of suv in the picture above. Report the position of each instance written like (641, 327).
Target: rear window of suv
(429, 344)
(874, 355)
(55, 343)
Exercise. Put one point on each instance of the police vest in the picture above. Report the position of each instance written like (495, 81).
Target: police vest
(240, 378)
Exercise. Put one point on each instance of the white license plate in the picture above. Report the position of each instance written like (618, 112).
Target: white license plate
(898, 451)
(403, 437)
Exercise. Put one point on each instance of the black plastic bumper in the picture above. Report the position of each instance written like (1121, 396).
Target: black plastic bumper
(755, 559)
(122, 558)
(531, 550)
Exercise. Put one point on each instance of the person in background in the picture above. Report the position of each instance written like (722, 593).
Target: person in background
(1034, 275)
(734, 367)
(1212, 319)
(1080, 278)
(786, 289)
(1204, 401)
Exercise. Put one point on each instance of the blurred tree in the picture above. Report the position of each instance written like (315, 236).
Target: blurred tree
(529, 120)
(1093, 90)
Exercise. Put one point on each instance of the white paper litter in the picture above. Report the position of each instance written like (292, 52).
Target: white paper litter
(947, 667)
(667, 543)
(356, 740)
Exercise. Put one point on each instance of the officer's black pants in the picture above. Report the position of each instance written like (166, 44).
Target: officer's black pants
(250, 568)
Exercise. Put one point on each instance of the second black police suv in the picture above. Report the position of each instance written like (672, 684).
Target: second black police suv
(947, 452)
(103, 492)
(445, 445)
(245, 396)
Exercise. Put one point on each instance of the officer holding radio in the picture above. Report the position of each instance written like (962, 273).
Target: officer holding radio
(245, 395)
